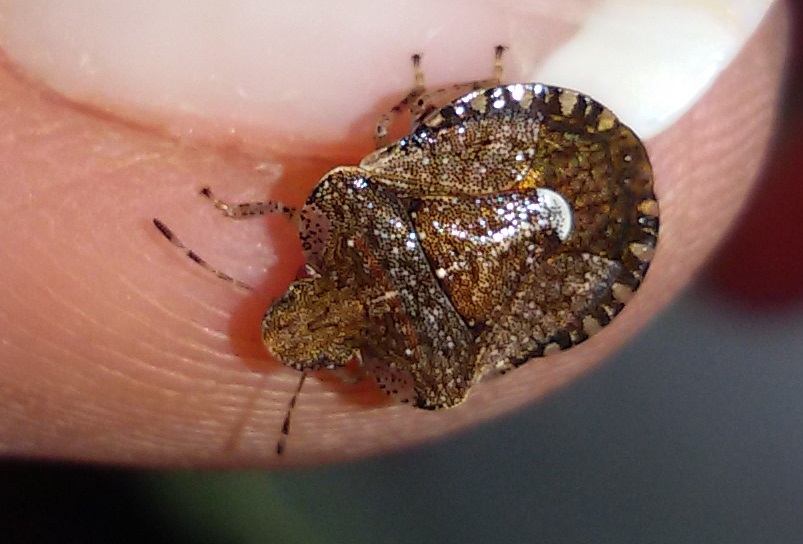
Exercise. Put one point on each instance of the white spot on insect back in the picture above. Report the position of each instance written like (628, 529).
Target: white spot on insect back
(558, 210)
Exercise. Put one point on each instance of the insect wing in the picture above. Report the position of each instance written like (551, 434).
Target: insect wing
(418, 329)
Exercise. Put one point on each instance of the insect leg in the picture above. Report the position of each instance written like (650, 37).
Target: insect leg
(429, 101)
(422, 103)
(173, 239)
(496, 74)
(410, 102)
(247, 210)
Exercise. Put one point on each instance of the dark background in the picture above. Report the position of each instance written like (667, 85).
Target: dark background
(693, 433)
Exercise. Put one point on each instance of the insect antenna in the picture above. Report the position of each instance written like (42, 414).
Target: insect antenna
(282, 444)
(173, 239)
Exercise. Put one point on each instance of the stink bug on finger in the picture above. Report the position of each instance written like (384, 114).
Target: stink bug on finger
(512, 222)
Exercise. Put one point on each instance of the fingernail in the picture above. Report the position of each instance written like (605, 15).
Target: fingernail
(238, 67)
(650, 60)
(291, 74)
(304, 73)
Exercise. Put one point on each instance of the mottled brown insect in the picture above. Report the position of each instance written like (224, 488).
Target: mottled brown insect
(513, 222)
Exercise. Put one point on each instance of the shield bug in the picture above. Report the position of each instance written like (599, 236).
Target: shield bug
(512, 222)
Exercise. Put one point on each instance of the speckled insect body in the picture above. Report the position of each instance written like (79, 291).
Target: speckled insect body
(511, 223)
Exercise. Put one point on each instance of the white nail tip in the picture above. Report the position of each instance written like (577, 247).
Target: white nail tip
(650, 60)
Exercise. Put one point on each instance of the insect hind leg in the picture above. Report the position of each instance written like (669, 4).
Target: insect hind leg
(412, 102)
(445, 94)
(421, 103)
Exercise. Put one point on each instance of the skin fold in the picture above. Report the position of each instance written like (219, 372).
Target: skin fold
(115, 348)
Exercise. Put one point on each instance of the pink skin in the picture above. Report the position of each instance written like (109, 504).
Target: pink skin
(116, 348)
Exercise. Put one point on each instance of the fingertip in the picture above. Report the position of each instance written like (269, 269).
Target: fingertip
(185, 355)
